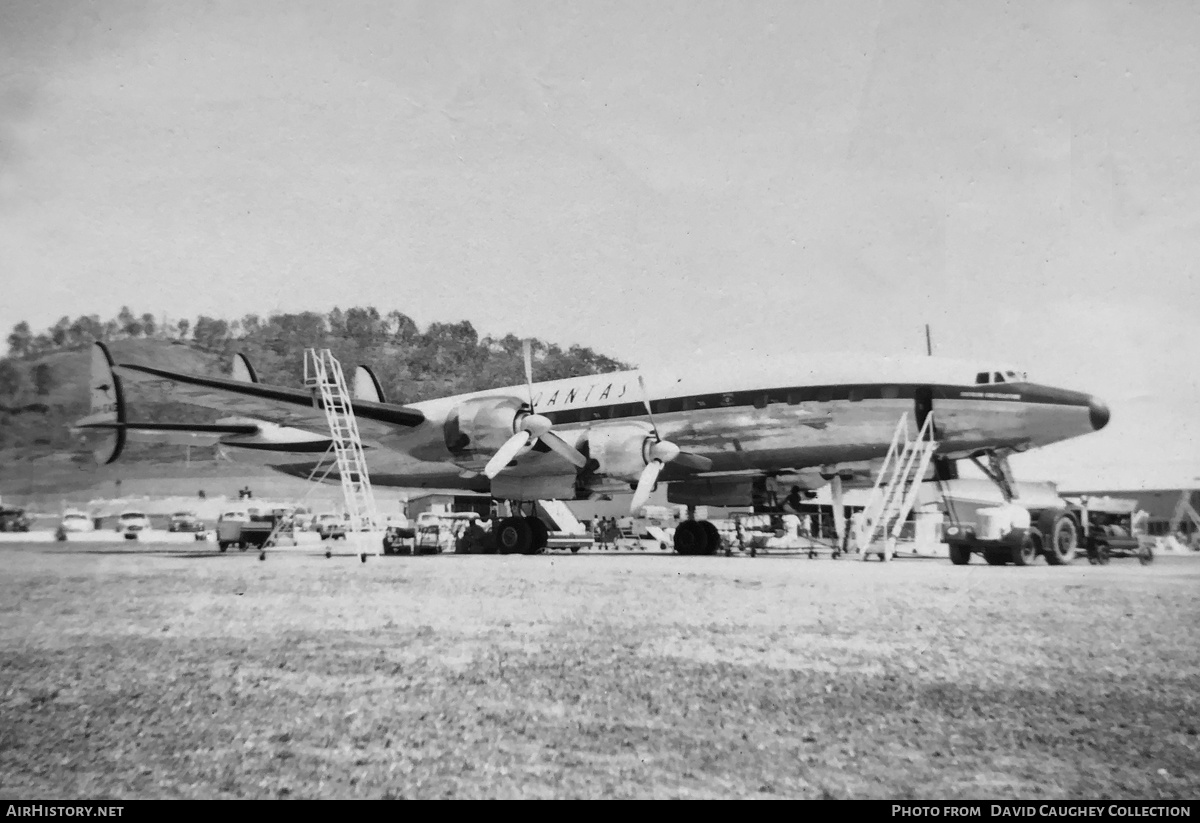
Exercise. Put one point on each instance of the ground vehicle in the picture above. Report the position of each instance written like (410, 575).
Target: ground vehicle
(1111, 531)
(1013, 534)
(132, 523)
(302, 518)
(398, 536)
(330, 526)
(437, 532)
(75, 521)
(237, 527)
(185, 522)
(13, 520)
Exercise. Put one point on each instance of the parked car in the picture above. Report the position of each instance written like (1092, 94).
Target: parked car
(185, 522)
(132, 523)
(13, 520)
(75, 521)
(330, 526)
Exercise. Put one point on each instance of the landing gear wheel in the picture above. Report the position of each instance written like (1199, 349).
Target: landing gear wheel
(222, 546)
(363, 557)
(515, 536)
(262, 555)
(541, 534)
(996, 558)
(712, 537)
(1146, 555)
(1061, 537)
(959, 555)
(1103, 555)
(1027, 551)
(328, 554)
(690, 538)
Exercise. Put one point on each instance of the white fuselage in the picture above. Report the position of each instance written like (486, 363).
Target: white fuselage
(767, 416)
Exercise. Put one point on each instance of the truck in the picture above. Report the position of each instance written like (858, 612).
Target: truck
(237, 527)
(1013, 533)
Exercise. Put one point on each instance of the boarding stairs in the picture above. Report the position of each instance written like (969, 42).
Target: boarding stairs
(284, 526)
(323, 374)
(560, 517)
(896, 490)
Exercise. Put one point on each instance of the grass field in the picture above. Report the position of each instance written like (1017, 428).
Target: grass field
(131, 672)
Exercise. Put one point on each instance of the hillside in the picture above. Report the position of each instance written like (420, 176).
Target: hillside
(43, 388)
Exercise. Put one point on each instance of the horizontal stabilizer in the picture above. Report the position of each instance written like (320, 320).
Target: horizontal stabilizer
(199, 428)
(259, 399)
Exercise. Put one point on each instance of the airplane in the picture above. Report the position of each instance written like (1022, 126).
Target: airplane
(721, 434)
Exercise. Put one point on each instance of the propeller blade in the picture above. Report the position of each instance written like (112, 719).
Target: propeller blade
(645, 485)
(506, 453)
(646, 403)
(527, 351)
(694, 462)
(564, 449)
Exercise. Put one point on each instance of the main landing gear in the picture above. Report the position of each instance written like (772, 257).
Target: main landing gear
(522, 534)
(695, 537)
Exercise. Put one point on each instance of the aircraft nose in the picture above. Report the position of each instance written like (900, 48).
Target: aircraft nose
(1097, 413)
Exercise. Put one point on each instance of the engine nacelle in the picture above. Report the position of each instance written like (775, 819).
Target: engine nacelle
(621, 449)
(481, 425)
(553, 487)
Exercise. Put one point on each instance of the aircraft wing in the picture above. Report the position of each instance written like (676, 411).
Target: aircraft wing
(280, 404)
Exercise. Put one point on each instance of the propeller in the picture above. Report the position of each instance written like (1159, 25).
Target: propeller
(531, 427)
(658, 454)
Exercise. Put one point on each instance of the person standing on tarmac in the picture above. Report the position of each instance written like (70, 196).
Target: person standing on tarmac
(793, 502)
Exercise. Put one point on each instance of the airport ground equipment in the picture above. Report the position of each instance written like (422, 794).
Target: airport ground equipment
(260, 531)
(896, 489)
(1014, 534)
(323, 374)
(565, 530)
(1112, 528)
(1103, 546)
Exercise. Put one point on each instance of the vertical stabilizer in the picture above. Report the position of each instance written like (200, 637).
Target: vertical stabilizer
(243, 371)
(103, 430)
(366, 385)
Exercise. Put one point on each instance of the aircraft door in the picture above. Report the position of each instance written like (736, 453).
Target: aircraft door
(923, 405)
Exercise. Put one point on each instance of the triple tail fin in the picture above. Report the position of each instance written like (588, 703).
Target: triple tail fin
(366, 386)
(103, 430)
(243, 371)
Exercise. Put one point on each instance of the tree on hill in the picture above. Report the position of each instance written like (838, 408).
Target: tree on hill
(20, 341)
(411, 364)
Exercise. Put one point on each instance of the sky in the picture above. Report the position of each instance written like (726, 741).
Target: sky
(660, 181)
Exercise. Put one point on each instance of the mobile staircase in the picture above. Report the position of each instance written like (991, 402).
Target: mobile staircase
(323, 374)
(896, 489)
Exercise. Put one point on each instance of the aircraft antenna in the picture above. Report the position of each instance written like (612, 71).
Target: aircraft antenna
(928, 342)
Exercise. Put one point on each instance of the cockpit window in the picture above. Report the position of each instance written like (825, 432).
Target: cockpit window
(998, 377)
(982, 377)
